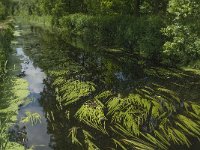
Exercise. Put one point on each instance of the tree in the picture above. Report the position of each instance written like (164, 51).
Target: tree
(183, 31)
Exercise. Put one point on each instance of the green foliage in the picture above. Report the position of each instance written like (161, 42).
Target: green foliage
(129, 24)
(132, 120)
(133, 107)
(2, 10)
(5, 8)
(183, 31)
(73, 135)
(13, 91)
(137, 122)
(70, 91)
(145, 118)
(109, 23)
(5, 40)
(91, 113)
(86, 142)
(33, 118)
(151, 119)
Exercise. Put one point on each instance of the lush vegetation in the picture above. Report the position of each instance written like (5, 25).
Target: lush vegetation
(91, 93)
(12, 89)
(163, 31)
(84, 99)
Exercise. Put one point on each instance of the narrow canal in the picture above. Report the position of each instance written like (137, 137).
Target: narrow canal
(37, 48)
(36, 135)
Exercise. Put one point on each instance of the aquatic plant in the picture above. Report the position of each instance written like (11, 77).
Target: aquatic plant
(142, 122)
(92, 114)
(73, 135)
(33, 118)
(86, 142)
(69, 90)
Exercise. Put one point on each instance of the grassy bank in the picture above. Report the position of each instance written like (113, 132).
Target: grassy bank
(12, 89)
(34, 20)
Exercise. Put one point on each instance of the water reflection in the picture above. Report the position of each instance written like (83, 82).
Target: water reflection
(36, 136)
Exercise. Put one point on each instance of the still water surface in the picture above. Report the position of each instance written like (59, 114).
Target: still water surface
(37, 136)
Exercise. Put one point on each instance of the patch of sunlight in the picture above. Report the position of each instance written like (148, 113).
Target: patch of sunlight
(196, 71)
(14, 42)
(34, 118)
(114, 50)
(162, 72)
(14, 146)
(17, 33)
(18, 92)
(20, 88)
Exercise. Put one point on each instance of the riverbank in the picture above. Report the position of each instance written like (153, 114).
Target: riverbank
(31, 117)
(34, 20)
(13, 89)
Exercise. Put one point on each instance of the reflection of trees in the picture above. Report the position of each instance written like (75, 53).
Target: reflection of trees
(57, 125)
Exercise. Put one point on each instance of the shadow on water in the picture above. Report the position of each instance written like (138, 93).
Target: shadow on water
(114, 71)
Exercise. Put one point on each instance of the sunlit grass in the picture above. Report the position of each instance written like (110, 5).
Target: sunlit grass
(12, 92)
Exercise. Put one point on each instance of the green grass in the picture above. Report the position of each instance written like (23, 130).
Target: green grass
(34, 20)
(13, 90)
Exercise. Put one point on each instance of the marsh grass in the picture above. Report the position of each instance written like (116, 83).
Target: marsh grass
(12, 92)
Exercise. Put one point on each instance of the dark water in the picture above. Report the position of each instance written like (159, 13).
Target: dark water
(114, 71)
